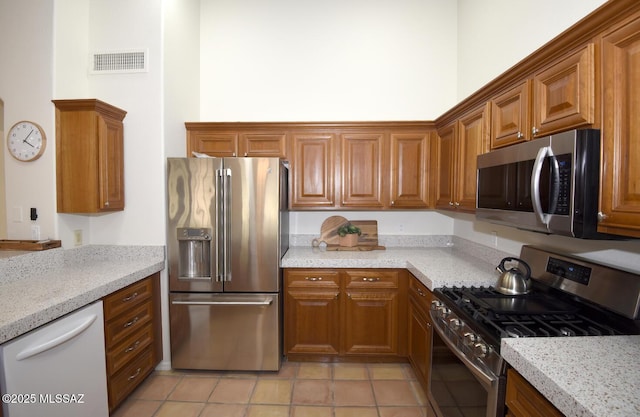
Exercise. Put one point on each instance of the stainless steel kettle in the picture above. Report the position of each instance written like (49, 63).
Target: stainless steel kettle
(513, 281)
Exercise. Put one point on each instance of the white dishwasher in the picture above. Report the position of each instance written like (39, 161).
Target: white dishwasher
(57, 370)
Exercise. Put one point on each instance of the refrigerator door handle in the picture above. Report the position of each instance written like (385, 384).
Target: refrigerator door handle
(219, 223)
(227, 224)
(224, 303)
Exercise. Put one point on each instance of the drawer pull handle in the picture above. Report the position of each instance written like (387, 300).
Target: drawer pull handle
(313, 278)
(134, 376)
(129, 298)
(132, 347)
(131, 323)
(368, 279)
(421, 293)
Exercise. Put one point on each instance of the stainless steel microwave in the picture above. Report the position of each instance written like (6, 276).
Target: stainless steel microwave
(548, 185)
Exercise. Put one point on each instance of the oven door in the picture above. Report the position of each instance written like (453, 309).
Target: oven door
(457, 386)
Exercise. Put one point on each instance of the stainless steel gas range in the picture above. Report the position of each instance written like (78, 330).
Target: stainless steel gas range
(570, 297)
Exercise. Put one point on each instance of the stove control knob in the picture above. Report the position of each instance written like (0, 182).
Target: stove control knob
(481, 350)
(470, 338)
(436, 304)
(443, 311)
(455, 323)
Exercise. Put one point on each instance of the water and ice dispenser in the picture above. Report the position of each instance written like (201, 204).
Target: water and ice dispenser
(195, 253)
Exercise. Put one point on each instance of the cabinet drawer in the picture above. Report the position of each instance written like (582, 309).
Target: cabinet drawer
(128, 348)
(118, 302)
(125, 381)
(312, 278)
(372, 279)
(125, 325)
(420, 293)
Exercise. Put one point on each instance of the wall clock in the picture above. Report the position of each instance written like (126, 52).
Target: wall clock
(26, 141)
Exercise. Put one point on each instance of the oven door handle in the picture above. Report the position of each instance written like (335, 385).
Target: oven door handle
(488, 381)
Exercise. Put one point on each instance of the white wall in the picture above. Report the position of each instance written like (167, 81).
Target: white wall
(303, 60)
(26, 84)
(493, 35)
(85, 27)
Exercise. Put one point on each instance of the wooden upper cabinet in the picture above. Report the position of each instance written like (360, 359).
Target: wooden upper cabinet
(212, 143)
(263, 144)
(312, 170)
(410, 170)
(446, 165)
(564, 94)
(558, 98)
(89, 156)
(511, 116)
(222, 140)
(473, 141)
(620, 168)
(363, 165)
(460, 143)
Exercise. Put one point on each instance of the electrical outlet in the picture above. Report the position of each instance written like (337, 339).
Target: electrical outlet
(495, 238)
(35, 232)
(77, 237)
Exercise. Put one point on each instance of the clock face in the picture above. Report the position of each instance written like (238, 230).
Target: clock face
(26, 141)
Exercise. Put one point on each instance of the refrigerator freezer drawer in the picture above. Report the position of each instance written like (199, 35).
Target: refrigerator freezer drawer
(239, 332)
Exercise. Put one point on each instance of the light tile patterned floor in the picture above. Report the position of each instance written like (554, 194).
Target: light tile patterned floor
(300, 389)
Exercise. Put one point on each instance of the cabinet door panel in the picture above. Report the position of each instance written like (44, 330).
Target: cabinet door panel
(313, 170)
(371, 322)
(510, 116)
(409, 170)
(446, 155)
(564, 94)
(312, 322)
(263, 144)
(213, 144)
(362, 167)
(111, 164)
(620, 173)
(473, 141)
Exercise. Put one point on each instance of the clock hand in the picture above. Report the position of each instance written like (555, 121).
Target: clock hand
(25, 139)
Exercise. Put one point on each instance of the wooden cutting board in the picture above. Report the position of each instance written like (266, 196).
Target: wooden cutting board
(329, 231)
(368, 240)
(29, 244)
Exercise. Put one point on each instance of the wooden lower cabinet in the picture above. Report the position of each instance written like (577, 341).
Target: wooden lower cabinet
(420, 332)
(339, 314)
(523, 400)
(312, 312)
(133, 336)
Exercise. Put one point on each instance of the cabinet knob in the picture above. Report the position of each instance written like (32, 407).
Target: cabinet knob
(520, 135)
(451, 203)
(106, 204)
(393, 202)
(246, 154)
(602, 216)
(534, 131)
(457, 204)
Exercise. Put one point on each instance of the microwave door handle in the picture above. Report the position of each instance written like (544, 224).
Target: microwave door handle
(553, 204)
(535, 184)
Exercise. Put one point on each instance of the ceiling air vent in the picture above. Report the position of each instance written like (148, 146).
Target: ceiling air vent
(119, 62)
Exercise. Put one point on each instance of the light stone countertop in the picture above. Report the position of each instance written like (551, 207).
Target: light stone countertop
(591, 376)
(433, 266)
(39, 287)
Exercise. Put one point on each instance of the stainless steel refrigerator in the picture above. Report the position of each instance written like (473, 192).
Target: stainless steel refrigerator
(228, 228)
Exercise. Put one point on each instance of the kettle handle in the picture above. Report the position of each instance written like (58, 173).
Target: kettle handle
(520, 261)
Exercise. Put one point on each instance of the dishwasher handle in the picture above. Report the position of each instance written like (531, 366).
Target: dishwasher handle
(56, 341)
(224, 303)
